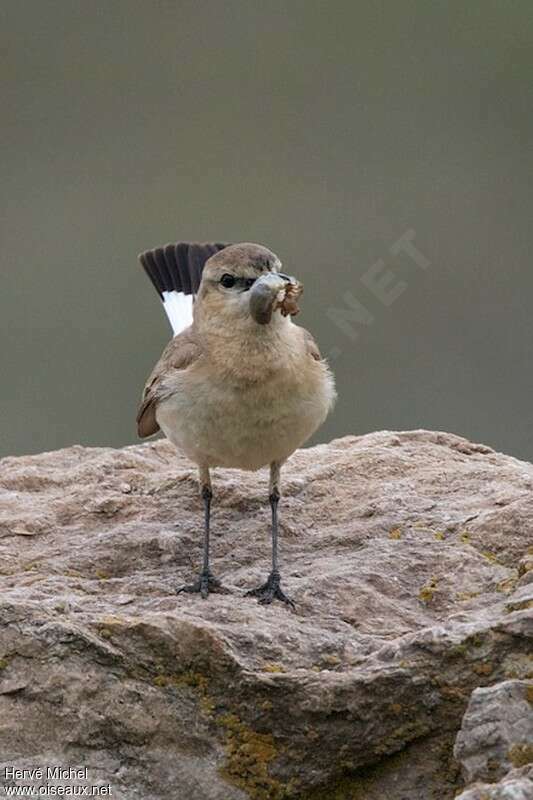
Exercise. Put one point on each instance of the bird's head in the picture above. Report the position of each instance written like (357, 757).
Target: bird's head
(242, 282)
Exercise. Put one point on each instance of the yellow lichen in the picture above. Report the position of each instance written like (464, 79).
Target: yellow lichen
(427, 591)
(395, 533)
(188, 678)
(525, 565)
(249, 754)
(454, 693)
(272, 667)
(507, 585)
(521, 754)
(461, 596)
(331, 659)
(111, 621)
(482, 669)
(207, 705)
(458, 650)
(439, 536)
(521, 605)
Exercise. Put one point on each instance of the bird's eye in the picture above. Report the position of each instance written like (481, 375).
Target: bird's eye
(227, 281)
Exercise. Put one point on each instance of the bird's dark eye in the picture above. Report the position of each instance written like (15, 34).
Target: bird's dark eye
(227, 281)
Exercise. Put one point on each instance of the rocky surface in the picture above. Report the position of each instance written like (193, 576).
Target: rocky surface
(516, 785)
(409, 558)
(497, 731)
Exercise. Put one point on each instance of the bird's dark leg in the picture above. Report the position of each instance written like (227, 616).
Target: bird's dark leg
(271, 590)
(206, 581)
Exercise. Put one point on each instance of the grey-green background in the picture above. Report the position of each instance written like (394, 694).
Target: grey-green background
(323, 130)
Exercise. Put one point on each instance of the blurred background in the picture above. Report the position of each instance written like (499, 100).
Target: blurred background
(338, 134)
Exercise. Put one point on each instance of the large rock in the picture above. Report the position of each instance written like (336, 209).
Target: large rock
(516, 785)
(497, 731)
(408, 557)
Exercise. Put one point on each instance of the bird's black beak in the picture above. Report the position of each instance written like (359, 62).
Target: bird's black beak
(263, 295)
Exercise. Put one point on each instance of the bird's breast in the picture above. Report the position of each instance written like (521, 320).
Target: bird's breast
(219, 420)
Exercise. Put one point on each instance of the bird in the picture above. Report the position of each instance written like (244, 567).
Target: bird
(240, 384)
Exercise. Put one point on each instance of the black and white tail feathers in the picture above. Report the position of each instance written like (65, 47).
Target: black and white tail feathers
(176, 271)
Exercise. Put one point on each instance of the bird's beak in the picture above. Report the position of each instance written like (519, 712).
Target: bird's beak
(264, 293)
(285, 277)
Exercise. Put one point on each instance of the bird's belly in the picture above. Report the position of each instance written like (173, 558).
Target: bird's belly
(244, 426)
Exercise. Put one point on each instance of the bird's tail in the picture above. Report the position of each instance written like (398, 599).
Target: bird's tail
(176, 271)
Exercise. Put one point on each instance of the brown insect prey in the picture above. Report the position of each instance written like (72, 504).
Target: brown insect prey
(287, 300)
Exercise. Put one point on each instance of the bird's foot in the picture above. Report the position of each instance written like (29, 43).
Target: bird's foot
(271, 590)
(205, 584)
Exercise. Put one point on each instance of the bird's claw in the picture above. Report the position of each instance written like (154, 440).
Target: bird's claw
(205, 584)
(271, 590)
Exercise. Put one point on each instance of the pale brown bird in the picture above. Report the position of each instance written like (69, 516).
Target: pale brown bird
(239, 385)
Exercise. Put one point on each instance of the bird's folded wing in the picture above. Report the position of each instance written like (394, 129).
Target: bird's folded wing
(311, 346)
(182, 351)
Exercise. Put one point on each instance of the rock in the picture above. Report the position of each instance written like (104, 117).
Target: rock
(517, 785)
(497, 731)
(404, 552)
(495, 742)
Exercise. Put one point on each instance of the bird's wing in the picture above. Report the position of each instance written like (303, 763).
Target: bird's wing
(182, 351)
(311, 346)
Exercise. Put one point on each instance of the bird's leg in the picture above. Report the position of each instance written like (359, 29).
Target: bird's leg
(206, 581)
(271, 590)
